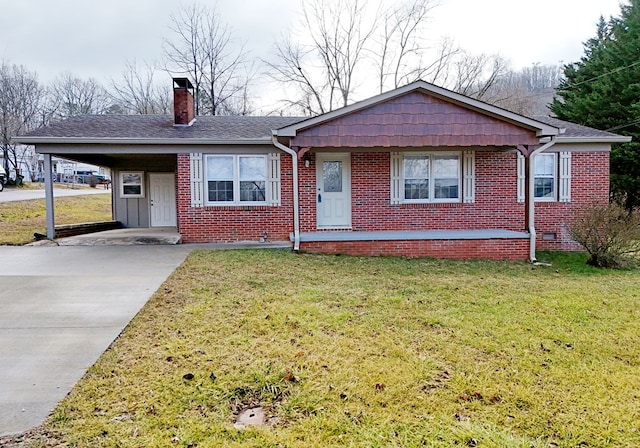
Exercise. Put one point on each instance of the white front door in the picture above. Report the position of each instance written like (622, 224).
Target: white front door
(333, 195)
(162, 200)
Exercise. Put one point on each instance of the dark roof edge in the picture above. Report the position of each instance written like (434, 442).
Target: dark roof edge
(139, 141)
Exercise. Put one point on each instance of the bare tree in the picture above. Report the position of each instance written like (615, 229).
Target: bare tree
(21, 98)
(528, 91)
(402, 46)
(291, 70)
(475, 75)
(203, 49)
(325, 69)
(137, 93)
(73, 96)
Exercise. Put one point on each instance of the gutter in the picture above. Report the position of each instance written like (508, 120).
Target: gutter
(296, 214)
(26, 140)
(612, 139)
(532, 200)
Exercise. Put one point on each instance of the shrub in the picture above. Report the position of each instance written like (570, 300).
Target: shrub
(609, 233)
(93, 181)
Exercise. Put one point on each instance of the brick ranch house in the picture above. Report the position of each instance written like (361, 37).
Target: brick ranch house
(417, 171)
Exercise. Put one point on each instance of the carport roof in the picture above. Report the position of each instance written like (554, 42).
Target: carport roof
(157, 129)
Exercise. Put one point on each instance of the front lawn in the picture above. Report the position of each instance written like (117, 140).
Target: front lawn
(370, 352)
(19, 220)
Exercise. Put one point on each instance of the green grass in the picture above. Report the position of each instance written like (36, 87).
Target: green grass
(370, 352)
(21, 219)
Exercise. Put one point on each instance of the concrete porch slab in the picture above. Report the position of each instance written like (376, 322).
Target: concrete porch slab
(125, 237)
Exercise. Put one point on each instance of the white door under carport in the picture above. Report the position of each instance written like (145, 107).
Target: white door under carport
(162, 200)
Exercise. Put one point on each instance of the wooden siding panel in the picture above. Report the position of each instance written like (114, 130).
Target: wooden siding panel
(414, 120)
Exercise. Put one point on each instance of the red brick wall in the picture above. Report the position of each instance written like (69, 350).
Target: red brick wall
(234, 223)
(496, 205)
(589, 185)
(513, 249)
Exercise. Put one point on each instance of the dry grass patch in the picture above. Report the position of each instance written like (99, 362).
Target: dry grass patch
(19, 220)
(371, 352)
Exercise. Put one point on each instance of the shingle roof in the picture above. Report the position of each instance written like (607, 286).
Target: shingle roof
(161, 127)
(573, 130)
(218, 129)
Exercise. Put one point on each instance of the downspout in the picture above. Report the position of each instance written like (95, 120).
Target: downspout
(531, 198)
(296, 216)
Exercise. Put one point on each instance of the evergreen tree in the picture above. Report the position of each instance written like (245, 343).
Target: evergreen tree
(602, 90)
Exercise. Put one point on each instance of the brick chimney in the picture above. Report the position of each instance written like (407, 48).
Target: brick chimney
(183, 105)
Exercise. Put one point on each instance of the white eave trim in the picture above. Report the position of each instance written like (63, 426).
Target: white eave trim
(137, 141)
(612, 139)
(542, 129)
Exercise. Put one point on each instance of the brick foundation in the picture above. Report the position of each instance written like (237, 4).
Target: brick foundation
(499, 249)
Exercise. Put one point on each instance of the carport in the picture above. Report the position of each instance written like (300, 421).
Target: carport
(143, 179)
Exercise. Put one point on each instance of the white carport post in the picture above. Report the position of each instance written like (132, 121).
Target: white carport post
(48, 189)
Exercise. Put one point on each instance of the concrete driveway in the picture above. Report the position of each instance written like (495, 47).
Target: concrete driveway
(60, 308)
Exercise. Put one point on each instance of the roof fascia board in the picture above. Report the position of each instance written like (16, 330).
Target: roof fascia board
(137, 141)
(86, 149)
(612, 139)
(542, 129)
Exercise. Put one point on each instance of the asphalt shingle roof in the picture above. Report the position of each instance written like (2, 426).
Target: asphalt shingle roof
(574, 130)
(162, 127)
(213, 128)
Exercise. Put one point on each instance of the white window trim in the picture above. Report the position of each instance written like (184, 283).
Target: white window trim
(236, 181)
(562, 180)
(122, 184)
(432, 199)
(554, 198)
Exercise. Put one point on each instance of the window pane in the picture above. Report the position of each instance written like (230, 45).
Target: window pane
(446, 181)
(416, 167)
(544, 188)
(545, 176)
(332, 176)
(416, 189)
(219, 167)
(445, 188)
(545, 165)
(252, 191)
(252, 168)
(131, 179)
(132, 190)
(445, 166)
(220, 191)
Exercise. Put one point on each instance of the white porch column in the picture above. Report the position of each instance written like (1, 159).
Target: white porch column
(48, 188)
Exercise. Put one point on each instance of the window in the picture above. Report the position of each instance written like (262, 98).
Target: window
(545, 177)
(236, 179)
(131, 184)
(552, 177)
(431, 177)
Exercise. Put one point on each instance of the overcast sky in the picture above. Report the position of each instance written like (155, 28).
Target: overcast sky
(94, 38)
